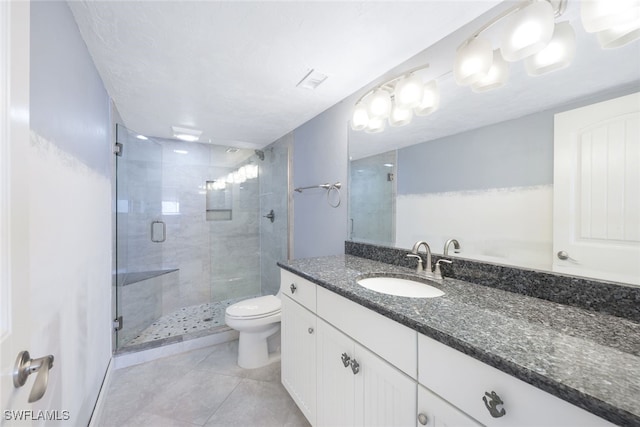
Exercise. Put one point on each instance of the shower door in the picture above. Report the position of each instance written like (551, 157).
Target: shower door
(139, 234)
(189, 221)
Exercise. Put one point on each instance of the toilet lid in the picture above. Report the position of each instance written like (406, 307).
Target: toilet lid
(255, 307)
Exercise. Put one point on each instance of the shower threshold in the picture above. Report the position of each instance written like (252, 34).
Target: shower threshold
(181, 325)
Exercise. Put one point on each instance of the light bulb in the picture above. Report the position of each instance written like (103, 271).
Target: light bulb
(408, 91)
(473, 61)
(360, 117)
(528, 31)
(400, 116)
(430, 99)
(496, 77)
(375, 125)
(379, 104)
(557, 54)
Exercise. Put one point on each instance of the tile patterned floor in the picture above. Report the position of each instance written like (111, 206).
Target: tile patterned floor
(186, 320)
(203, 387)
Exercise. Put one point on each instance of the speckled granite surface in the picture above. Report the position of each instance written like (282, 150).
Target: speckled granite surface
(589, 359)
(595, 295)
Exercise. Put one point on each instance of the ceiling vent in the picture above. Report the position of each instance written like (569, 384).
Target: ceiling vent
(312, 80)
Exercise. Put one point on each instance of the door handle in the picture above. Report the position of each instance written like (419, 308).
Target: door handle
(26, 366)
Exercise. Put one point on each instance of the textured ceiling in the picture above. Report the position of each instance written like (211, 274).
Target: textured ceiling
(230, 68)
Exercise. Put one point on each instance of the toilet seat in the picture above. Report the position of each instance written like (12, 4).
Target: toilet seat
(255, 308)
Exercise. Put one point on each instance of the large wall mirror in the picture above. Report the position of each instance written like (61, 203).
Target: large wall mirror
(481, 168)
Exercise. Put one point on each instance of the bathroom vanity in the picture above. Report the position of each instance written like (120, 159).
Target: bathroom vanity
(473, 356)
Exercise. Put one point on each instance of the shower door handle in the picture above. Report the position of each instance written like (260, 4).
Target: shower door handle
(154, 227)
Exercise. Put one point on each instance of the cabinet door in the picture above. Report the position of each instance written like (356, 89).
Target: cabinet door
(336, 384)
(435, 412)
(299, 356)
(385, 396)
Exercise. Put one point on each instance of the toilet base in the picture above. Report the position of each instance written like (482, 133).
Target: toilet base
(253, 350)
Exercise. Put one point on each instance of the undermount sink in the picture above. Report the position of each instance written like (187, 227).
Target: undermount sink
(398, 286)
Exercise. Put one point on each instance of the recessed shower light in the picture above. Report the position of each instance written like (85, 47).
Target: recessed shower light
(181, 151)
(389, 165)
(185, 134)
(142, 137)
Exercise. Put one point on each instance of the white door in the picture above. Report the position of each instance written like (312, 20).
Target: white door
(336, 380)
(15, 313)
(597, 191)
(299, 356)
(385, 397)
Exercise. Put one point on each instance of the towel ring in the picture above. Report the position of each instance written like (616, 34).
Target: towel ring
(337, 189)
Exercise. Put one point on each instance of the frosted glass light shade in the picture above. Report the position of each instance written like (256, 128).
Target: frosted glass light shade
(473, 61)
(360, 117)
(379, 104)
(400, 116)
(430, 99)
(602, 15)
(557, 54)
(408, 91)
(528, 31)
(497, 76)
(375, 125)
(619, 35)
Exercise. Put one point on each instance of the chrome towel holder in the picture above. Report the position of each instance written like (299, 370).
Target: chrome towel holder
(326, 186)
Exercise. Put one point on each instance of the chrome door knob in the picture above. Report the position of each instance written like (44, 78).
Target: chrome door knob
(310, 330)
(422, 419)
(563, 255)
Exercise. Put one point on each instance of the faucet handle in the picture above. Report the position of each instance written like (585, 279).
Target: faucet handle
(438, 273)
(419, 268)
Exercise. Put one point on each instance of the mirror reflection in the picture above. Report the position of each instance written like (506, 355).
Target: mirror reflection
(481, 168)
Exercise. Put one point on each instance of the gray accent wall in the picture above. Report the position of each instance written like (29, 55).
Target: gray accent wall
(513, 153)
(320, 155)
(69, 104)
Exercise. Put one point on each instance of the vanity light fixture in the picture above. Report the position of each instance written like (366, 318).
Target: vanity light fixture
(395, 101)
(185, 134)
(529, 34)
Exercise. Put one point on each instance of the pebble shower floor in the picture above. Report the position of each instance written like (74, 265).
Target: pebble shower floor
(186, 320)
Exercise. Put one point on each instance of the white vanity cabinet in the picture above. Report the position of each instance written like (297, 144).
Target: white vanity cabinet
(346, 365)
(357, 388)
(299, 342)
(470, 385)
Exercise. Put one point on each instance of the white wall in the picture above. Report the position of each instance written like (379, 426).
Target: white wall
(70, 212)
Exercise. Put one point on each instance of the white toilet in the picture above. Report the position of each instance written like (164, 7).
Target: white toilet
(256, 319)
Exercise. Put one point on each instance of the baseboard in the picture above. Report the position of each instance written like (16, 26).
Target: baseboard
(104, 388)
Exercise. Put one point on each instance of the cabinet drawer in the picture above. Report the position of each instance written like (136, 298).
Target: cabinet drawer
(298, 289)
(463, 381)
(390, 340)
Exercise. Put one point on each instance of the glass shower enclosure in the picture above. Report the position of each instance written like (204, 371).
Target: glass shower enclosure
(194, 234)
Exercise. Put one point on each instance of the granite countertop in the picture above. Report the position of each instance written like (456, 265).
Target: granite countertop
(589, 359)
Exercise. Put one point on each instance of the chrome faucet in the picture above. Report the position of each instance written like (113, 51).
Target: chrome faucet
(456, 246)
(414, 253)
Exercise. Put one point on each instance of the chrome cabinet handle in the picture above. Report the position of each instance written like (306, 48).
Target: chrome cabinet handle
(346, 360)
(422, 419)
(355, 366)
(293, 288)
(310, 330)
(492, 404)
(26, 366)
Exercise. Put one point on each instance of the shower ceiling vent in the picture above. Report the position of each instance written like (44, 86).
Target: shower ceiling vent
(312, 80)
